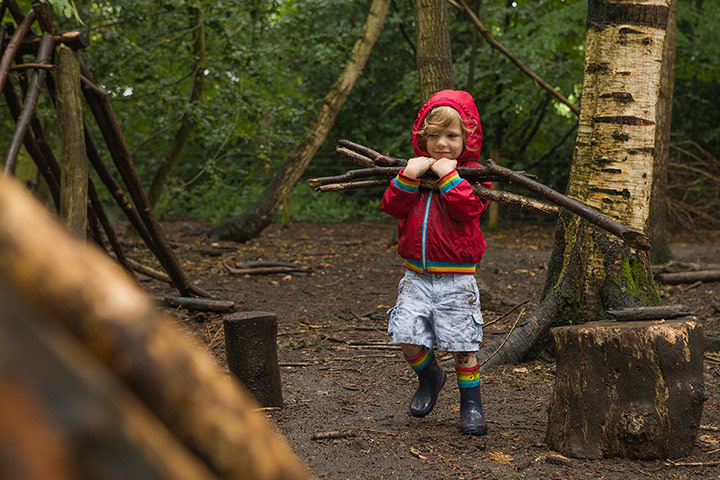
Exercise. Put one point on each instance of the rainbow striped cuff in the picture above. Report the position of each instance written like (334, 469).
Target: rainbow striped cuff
(406, 184)
(449, 181)
(421, 360)
(468, 377)
(440, 267)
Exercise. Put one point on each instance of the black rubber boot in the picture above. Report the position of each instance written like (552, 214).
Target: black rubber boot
(472, 420)
(431, 380)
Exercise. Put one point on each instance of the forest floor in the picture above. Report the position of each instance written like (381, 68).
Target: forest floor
(339, 373)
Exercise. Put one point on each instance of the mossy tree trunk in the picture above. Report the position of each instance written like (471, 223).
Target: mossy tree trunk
(258, 216)
(591, 271)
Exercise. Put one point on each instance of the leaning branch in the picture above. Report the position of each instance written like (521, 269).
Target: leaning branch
(518, 63)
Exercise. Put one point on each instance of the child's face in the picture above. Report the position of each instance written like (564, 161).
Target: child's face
(447, 143)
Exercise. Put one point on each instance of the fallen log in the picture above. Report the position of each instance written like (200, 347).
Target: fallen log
(689, 277)
(250, 269)
(663, 312)
(677, 267)
(198, 304)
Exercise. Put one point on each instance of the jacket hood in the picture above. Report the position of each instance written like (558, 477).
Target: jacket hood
(465, 105)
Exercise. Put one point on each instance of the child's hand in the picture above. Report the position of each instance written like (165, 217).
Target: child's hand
(443, 166)
(417, 166)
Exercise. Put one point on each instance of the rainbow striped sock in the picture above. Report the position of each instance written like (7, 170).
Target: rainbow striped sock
(468, 377)
(421, 360)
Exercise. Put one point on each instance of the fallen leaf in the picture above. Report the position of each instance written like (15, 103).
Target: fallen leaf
(501, 458)
(417, 453)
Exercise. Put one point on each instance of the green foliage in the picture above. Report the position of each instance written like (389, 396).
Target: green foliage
(66, 8)
(270, 63)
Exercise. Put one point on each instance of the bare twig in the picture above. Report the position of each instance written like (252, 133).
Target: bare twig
(505, 340)
(505, 314)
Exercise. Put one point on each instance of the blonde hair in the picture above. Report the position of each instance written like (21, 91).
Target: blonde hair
(438, 119)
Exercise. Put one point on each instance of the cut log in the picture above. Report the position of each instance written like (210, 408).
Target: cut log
(689, 277)
(663, 312)
(631, 390)
(251, 348)
(75, 39)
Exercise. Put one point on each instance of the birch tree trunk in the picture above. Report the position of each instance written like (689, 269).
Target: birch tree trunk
(612, 171)
(434, 58)
(258, 216)
(612, 168)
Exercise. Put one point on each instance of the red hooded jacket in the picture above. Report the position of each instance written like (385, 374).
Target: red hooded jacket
(438, 231)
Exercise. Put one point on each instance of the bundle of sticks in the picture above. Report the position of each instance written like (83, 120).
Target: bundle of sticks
(386, 167)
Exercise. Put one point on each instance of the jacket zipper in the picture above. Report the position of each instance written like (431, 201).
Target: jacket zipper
(423, 243)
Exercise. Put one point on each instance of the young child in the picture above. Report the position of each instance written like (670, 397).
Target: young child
(440, 239)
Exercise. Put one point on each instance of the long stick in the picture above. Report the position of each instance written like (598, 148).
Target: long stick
(376, 157)
(632, 237)
(107, 226)
(33, 147)
(30, 103)
(12, 48)
(480, 191)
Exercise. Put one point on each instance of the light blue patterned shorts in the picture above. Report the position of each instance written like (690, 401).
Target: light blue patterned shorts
(437, 308)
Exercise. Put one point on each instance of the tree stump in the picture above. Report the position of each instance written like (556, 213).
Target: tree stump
(631, 389)
(251, 348)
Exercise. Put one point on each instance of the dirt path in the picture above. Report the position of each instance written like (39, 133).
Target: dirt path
(340, 375)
